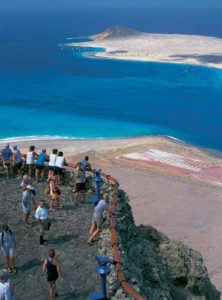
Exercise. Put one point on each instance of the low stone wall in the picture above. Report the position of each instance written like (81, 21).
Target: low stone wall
(153, 265)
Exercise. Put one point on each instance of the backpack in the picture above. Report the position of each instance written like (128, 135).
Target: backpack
(47, 189)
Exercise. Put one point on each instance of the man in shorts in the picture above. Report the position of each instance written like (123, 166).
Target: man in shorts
(7, 242)
(17, 158)
(6, 288)
(97, 219)
(7, 159)
(42, 217)
(27, 200)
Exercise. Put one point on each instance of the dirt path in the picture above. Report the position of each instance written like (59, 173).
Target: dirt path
(68, 236)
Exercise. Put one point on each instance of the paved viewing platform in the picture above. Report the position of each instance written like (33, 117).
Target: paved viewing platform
(68, 236)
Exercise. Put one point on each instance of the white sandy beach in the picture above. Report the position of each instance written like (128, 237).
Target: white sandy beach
(170, 48)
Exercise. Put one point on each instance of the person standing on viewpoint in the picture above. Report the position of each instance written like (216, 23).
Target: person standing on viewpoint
(6, 155)
(42, 217)
(40, 165)
(52, 161)
(59, 165)
(27, 200)
(6, 287)
(97, 219)
(55, 193)
(7, 242)
(17, 159)
(30, 159)
(52, 266)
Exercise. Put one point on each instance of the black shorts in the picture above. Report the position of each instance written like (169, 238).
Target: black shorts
(38, 167)
(80, 187)
(18, 165)
(57, 171)
(52, 277)
(51, 168)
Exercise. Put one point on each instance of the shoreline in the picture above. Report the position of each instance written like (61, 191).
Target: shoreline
(25, 141)
(99, 55)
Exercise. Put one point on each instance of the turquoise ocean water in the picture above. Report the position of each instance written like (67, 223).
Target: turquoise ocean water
(46, 90)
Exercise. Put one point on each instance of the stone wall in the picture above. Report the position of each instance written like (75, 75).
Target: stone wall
(153, 265)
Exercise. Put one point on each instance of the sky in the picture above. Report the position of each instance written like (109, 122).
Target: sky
(14, 4)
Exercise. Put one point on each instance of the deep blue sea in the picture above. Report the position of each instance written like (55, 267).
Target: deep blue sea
(49, 91)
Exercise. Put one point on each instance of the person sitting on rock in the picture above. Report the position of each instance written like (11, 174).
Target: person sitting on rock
(52, 266)
(97, 219)
(7, 242)
(6, 287)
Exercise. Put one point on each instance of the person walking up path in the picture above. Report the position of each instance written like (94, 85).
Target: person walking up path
(6, 155)
(6, 287)
(40, 165)
(25, 182)
(97, 218)
(42, 217)
(17, 158)
(52, 266)
(7, 242)
(27, 200)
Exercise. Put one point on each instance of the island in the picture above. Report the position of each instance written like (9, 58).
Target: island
(129, 44)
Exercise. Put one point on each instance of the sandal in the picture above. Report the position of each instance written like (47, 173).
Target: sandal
(9, 270)
(14, 270)
(91, 243)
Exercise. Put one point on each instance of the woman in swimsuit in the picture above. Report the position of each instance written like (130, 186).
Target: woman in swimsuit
(52, 266)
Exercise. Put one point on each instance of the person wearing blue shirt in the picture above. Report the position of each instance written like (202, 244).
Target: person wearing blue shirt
(85, 164)
(40, 165)
(6, 155)
(97, 219)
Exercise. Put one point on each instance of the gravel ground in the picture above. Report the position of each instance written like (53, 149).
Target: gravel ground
(68, 236)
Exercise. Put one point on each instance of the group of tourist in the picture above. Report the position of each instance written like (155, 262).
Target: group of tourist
(36, 165)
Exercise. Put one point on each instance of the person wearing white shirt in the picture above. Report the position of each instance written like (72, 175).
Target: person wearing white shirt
(59, 165)
(52, 161)
(42, 217)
